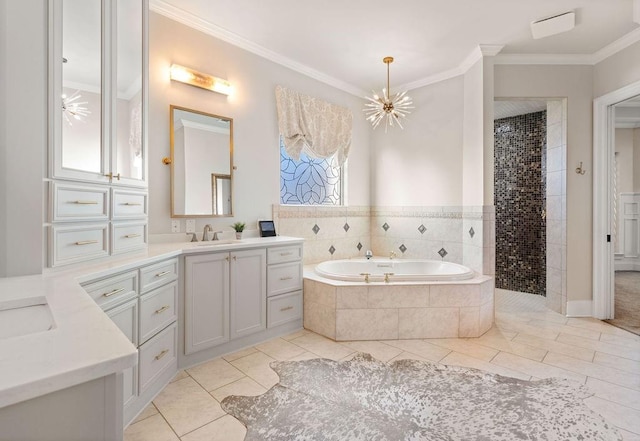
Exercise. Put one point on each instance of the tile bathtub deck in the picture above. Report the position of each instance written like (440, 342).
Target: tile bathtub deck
(527, 341)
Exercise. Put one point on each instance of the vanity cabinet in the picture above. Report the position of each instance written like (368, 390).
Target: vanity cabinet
(143, 303)
(224, 297)
(97, 129)
(284, 275)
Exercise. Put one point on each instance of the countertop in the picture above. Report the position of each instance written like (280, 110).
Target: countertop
(85, 344)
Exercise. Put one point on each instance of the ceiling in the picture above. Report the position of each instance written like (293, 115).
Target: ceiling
(345, 41)
(505, 109)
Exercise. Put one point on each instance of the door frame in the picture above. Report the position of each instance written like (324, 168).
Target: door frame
(603, 151)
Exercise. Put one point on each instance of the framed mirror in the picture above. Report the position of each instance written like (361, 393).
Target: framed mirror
(201, 164)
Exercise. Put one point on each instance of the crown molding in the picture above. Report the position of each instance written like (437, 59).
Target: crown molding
(206, 27)
(618, 45)
(573, 59)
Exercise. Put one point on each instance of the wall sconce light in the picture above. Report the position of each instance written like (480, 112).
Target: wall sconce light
(199, 79)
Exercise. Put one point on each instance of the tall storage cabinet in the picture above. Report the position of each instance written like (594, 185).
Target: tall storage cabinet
(97, 173)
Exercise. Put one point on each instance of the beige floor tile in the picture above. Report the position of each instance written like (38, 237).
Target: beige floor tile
(214, 374)
(257, 367)
(378, 350)
(226, 428)
(548, 316)
(305, 356)
(600, 346)
(457, 359)
(526, 328)
(628, 436)
(244, 386)
(628, 340)
(322, 346)
(612, 392)
(566, 329)
(154, 428)
(620, 416)
(186, 406)
(497, 332)
(180, 375)
(280, 349)
(557, 347)
(535, 368)
(148, 411)
(467, 347)
(600, 372)
(421, 348)
(511, 346)
(240, 354)
(624, 364)
(409, 356)
(296, 334)
(600, 326)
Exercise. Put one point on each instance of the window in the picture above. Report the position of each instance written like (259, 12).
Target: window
(309, 181)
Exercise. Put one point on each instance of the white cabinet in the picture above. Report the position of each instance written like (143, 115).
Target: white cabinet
(225, 297)
(125, 317)
(284, 275)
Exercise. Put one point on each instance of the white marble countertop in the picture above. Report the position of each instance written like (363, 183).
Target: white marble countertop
(85, 344)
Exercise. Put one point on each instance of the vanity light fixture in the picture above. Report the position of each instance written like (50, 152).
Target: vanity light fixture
(199, 79)
(387, 107)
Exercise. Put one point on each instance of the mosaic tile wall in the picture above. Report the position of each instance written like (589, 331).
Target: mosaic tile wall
(520, 201)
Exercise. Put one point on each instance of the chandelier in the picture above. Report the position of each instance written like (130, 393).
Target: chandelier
(387, 107)
(74, 109)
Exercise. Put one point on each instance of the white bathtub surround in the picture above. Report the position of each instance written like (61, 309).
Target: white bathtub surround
(405, 310)
(345, 230)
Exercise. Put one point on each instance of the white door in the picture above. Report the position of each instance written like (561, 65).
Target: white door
(248, 292)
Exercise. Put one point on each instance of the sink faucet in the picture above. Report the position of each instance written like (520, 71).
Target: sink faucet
(392, 254)
(368, 254)
(193, 237)
(215, 235)
(205, 233)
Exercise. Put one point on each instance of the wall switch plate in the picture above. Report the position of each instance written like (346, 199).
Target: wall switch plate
(175, 225)
(191, 226)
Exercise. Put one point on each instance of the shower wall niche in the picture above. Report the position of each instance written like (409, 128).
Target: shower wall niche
(520, 202)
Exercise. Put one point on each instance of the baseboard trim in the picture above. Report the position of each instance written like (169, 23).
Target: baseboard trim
(626, 266)
(580, 308)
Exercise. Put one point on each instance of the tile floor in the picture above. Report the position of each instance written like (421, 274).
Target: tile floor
(527, 341)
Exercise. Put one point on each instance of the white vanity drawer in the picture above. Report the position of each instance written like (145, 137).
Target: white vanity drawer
(283, 278)
(109, 292)
(156, 355)
(158, 274)
(284, 254)
(128, 204)
(128, 236)
(71, 203)
(71, 244)
(284, 308)
(158, 309)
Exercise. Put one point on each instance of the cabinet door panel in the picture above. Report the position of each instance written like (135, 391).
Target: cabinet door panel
(248, 292)
(206, 298)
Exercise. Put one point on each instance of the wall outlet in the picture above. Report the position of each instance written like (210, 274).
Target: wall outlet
(191, 226)
(175, 225)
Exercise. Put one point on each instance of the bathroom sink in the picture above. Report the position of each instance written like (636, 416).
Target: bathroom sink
(215, 243)
(25, 316)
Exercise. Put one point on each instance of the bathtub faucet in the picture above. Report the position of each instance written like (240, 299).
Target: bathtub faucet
(368, 254)
(366, 277)
(392, 254)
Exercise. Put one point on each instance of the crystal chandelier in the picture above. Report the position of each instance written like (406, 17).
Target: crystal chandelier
(386, 107)
(74, 109)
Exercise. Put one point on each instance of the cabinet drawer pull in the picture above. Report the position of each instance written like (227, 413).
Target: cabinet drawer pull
(132, 203)
(286, 278)
(163, 273)
(110, 293)
(86, 242)
(85, 202)
(131, 236)
(162, 354)
(286, 254)
(163, 309)
(286, 308)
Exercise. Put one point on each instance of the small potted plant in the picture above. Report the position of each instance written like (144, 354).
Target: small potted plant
(239, 227)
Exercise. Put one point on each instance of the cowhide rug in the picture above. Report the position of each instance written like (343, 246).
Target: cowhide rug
(365, 399)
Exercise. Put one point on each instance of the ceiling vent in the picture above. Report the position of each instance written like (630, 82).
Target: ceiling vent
(553, 25)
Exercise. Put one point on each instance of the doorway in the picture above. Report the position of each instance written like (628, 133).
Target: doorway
(529, 183)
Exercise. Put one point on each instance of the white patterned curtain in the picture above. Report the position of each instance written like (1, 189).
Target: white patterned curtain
(320, 128)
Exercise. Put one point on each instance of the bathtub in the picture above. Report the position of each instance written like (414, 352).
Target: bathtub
(420, 299)
(375, 270)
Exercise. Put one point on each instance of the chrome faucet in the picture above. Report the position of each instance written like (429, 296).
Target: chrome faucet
(392, 254)
(368, 254)
(215, 235)
(205, 233)
(193, 237)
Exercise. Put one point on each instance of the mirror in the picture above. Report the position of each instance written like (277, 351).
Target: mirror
(82, 85)
(201, 164)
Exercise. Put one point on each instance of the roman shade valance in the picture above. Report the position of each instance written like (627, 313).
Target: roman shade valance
(320, 128)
